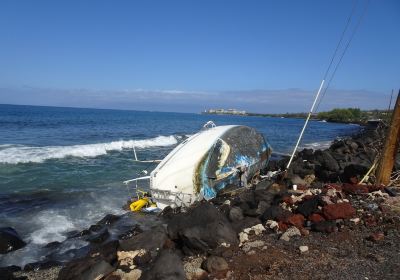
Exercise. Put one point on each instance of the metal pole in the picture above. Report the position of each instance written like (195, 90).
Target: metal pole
(391, 147)
(305, 124)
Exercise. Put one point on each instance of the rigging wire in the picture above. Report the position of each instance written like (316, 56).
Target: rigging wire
(341, 39)
(327, 71)
(352, 35)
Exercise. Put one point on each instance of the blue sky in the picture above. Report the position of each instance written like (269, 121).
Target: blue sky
(264, 56)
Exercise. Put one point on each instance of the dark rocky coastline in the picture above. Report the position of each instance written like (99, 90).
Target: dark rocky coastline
(330, 227)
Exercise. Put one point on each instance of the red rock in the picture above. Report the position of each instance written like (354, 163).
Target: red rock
(282, 226)
(316, 218)
(355, 189)
(296, 220)
(375, 237)
(338, 211)
(288, 200)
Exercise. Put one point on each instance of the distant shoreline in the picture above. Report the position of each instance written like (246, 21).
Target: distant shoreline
(346, 116)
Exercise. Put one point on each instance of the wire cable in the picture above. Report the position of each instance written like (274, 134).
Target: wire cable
(327, 72)
(343, 53)
(341, 39)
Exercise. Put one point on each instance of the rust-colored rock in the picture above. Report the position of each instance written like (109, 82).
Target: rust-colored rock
(338, 211)
(288, 200)
(316, 218)
(282, 226)
(296, 220)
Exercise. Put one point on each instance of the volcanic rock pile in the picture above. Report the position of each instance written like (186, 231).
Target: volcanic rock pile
(199, 242)
(347, 160)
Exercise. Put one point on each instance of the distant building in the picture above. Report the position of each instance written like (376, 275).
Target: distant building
(225, 112)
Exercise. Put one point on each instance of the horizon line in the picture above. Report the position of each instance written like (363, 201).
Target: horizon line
(197, 113)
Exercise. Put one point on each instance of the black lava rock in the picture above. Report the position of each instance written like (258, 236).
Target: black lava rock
(308, 207)
(353, 170)
(324, 226)
(151, 240)
(168, 266)
(327, 160)
(235, 214)
(201, 229)
(10, 240)
(83, 269)
(107, 251)
(275, 213)
(108, 219)
(135, 230)
(41, 265)
(247, 222)
(99, 237)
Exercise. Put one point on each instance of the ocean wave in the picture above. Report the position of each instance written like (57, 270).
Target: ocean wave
(39, 227)
(13, 154)
(52, 227)
(317, 145)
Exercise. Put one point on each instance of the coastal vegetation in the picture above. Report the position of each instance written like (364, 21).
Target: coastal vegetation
(342, 115)
(353, 115)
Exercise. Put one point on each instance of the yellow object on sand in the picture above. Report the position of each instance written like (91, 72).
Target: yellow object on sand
(139, 204)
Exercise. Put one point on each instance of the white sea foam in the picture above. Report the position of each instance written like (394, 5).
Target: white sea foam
(38, 228)
(13, 154)
(317, 145)
(52, 225)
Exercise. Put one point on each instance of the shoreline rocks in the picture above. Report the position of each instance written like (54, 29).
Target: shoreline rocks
(200, 241)
(345, 161)
(10, 240)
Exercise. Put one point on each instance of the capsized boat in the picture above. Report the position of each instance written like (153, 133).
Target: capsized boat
(208, 162)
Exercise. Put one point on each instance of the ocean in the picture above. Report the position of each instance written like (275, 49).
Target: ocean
(61, 169)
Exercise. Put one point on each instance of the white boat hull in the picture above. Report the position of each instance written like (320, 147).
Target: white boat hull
(206, 163)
